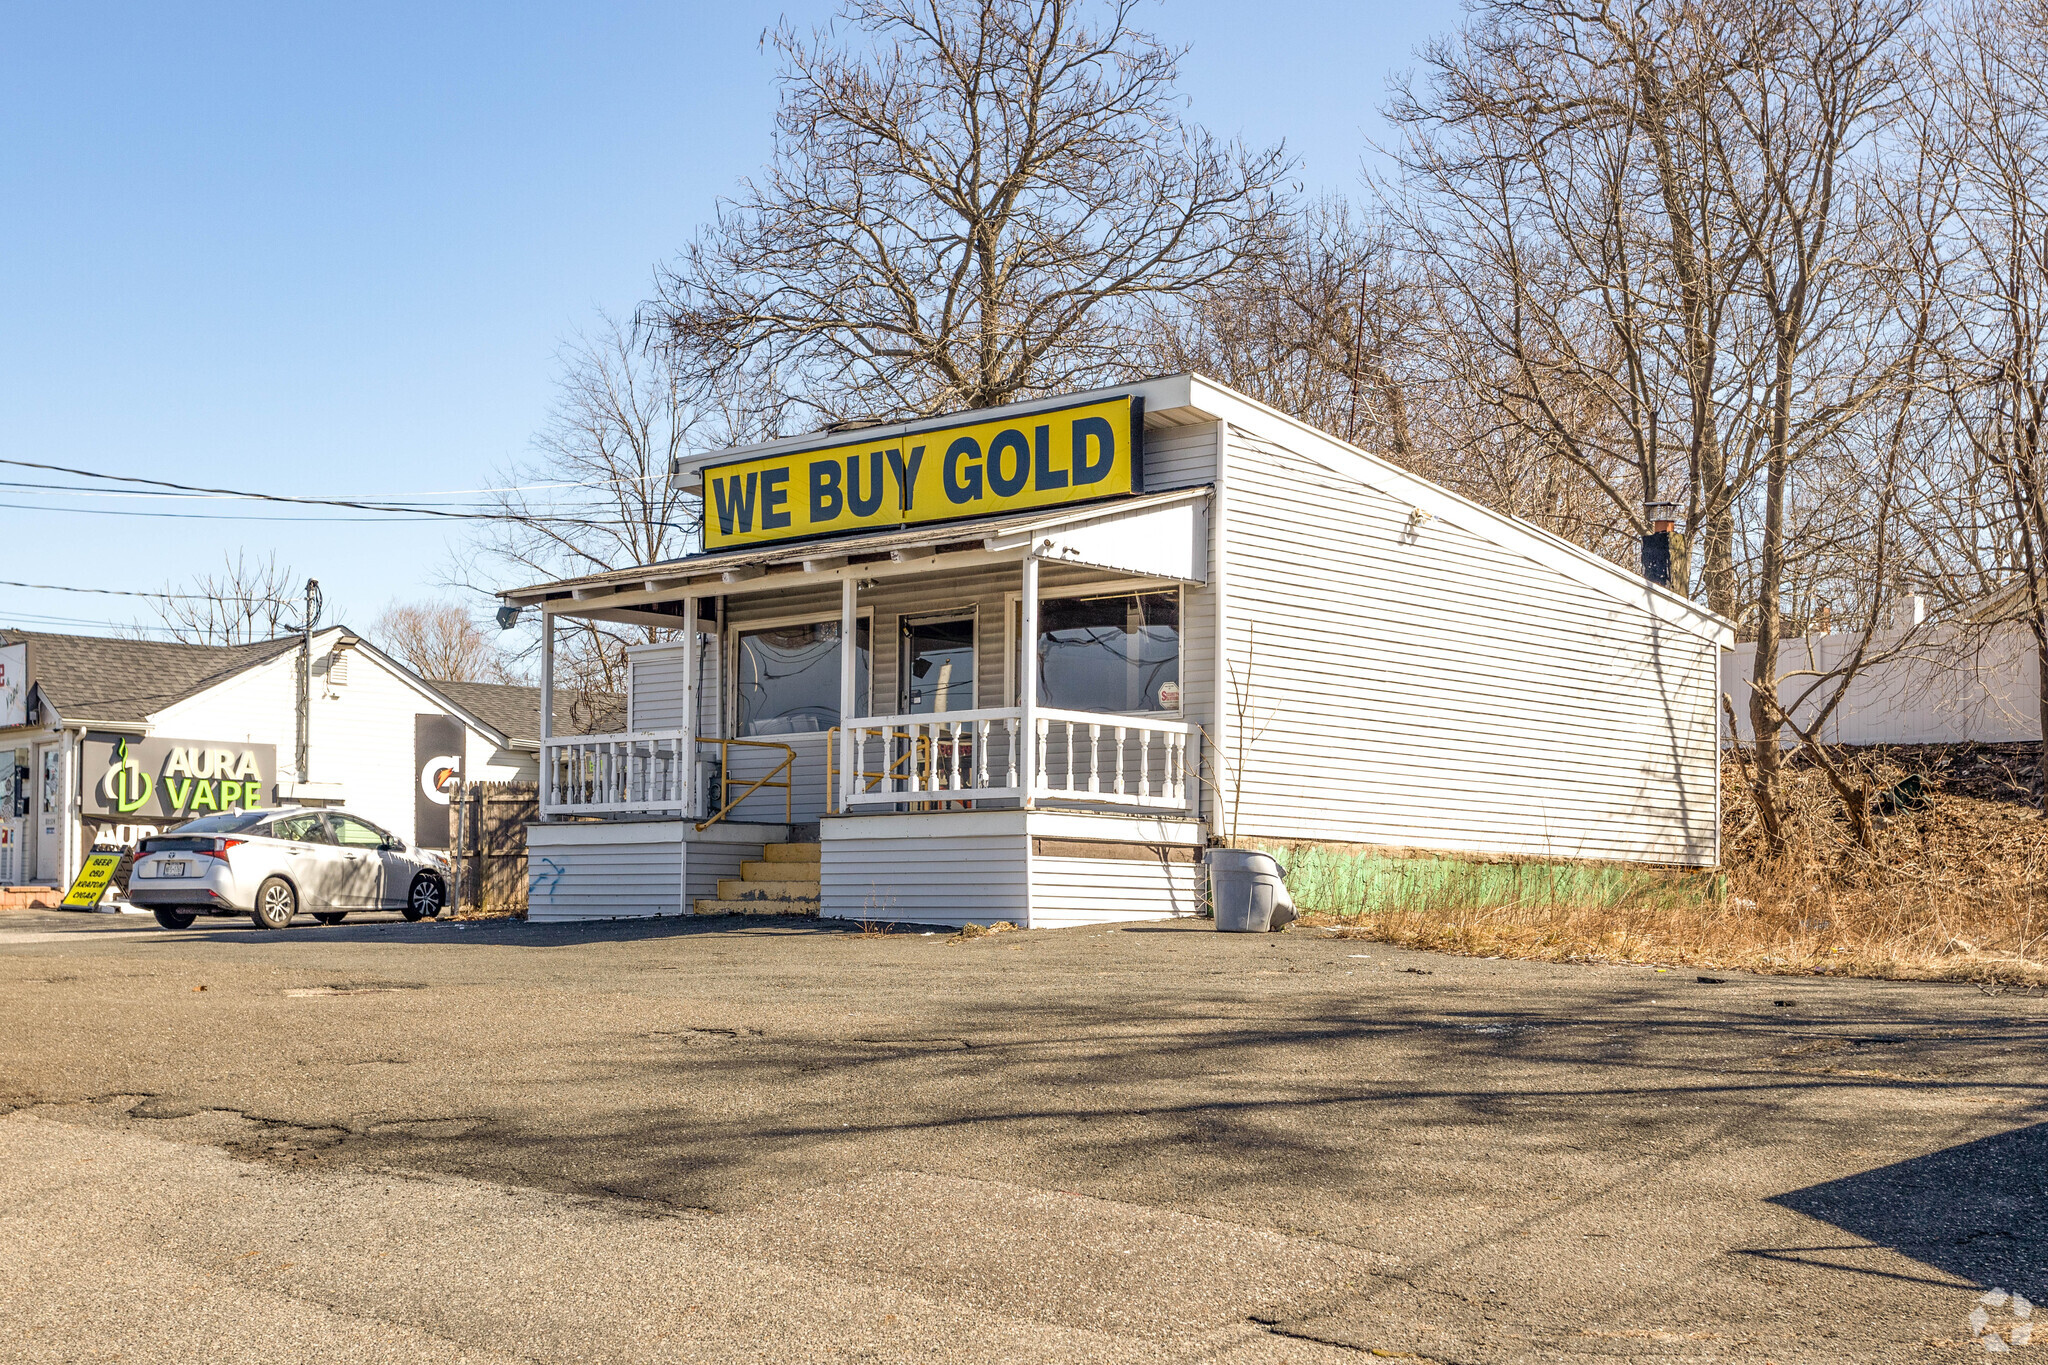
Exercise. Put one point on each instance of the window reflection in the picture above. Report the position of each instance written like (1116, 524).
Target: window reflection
(787, 679)
(1117, 654)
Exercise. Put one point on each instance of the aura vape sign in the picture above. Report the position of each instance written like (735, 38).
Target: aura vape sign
(174, 779)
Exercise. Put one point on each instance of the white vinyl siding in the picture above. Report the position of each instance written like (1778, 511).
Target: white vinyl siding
(936, 879)
(1179, 456)
(603, 871)
(1068, 891)
(710, 859)
(658, 687)
(1414, 684)
(979, 867)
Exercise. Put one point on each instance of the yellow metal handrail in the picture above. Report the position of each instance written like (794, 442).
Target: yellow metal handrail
(873, 779)
(726, 780)
(925, 754)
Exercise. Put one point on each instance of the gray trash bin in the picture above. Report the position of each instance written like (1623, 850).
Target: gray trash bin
(1246, 890)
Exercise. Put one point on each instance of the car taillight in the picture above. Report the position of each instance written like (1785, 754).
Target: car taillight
(220, 848)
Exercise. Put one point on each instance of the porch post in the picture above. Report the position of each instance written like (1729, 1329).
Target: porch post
(1027, 675)
(547, 707)
(547, 674)
(686, 751)
(849, 660)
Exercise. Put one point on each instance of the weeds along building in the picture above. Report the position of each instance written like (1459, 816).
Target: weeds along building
(1024, 663)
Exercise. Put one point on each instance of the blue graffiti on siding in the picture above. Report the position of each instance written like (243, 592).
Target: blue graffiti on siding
(534, 880)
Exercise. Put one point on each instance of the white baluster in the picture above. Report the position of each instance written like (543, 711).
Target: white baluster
(1010, 751)
(1038, 761)
(980, 732)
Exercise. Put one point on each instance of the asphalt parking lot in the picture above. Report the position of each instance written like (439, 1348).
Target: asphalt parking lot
(724, 1141)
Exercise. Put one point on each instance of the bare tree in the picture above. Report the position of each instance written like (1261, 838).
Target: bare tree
(1676, 211)
(965, 208)
(596, 495)
(1559, 187)
(1985, 118)
(1326, 329)
(248, 600)
(440, 641)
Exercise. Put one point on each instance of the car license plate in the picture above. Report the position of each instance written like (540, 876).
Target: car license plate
(172, 869)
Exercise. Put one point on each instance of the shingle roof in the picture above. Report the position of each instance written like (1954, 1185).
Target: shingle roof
(89, 677)
(515, 710)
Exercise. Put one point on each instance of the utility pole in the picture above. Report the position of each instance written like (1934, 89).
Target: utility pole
(307, 620)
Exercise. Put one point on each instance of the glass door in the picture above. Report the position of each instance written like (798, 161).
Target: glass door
(938, 666)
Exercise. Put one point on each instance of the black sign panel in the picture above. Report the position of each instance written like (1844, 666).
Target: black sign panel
(437, 743)
(157, 781)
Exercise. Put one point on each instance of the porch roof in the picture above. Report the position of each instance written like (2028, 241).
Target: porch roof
(1153, 535)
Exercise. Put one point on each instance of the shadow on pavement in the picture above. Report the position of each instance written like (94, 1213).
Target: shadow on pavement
(1975, 1211)
(378, 926)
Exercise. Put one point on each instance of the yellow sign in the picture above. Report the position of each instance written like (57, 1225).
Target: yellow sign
(1037, 459)
(93, 880)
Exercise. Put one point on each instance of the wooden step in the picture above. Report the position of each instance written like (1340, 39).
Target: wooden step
(793, 853)
(740, 889)
(807, 909)
(765, 871)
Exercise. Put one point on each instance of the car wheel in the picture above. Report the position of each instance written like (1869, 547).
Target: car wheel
(425, 899)
(330, 916)
(174, 919)
(276, 903)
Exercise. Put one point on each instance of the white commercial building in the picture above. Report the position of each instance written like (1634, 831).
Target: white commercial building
(1024, 663)
(106, 741)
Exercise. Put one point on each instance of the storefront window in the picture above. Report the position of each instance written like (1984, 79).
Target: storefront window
(1115, 654)
(788, 679)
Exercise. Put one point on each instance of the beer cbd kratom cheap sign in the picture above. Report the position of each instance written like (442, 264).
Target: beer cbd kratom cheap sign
(174, 779)
(941, 473)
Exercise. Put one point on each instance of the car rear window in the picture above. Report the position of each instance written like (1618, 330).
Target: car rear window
(173, 844)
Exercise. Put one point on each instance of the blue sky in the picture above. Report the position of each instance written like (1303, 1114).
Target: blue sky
(334, 251)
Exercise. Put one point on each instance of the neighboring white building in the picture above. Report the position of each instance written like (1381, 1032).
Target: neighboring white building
(220, 725)
(1047, 652)
(1928, 685)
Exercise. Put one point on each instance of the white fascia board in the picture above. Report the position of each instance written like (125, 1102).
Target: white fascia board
(1161, 395)
(1170, 542)
(1531, 542)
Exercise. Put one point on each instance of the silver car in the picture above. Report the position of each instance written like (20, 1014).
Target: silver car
(271, 864)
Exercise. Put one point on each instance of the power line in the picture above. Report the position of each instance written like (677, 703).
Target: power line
(125, 592)
(208, 516)
(239, 493)
(27, 620)
(402, 502)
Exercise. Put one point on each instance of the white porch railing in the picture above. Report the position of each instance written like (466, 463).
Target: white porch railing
(643, 772)
(1079, 756)
(927, 758)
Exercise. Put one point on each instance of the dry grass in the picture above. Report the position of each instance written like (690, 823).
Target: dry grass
(491, 912)
(1957, 890)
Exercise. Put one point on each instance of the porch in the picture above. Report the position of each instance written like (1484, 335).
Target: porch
(925, 704)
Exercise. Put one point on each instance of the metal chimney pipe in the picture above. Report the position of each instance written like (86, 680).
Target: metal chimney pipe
(1657, 543)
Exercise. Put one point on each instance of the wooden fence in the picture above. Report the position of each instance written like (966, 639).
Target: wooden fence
(489, 852)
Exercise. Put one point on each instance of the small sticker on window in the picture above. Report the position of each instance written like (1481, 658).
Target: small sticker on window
(1169, 696)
